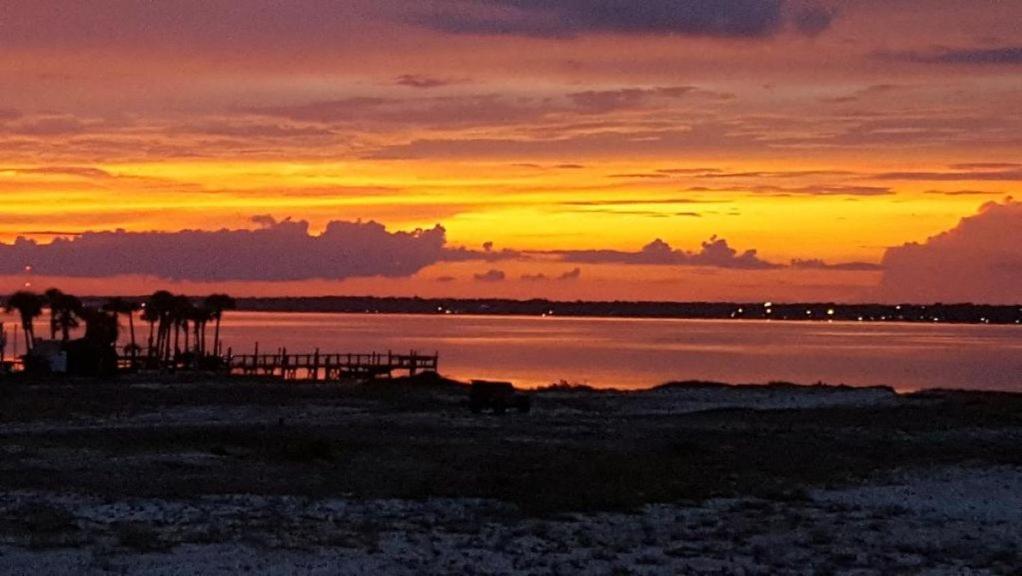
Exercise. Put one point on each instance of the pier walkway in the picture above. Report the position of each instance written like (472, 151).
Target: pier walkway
(330, 366)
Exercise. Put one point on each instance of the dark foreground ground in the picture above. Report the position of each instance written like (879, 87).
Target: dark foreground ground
(206, 476)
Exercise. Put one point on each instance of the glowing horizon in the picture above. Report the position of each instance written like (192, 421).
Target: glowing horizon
(833, 134)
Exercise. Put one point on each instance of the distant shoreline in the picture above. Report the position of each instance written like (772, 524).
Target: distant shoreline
(814, 311)
(961, 313)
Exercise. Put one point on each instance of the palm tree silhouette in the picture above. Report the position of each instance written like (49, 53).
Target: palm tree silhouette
(151, 316)
(29, 306)
(181, 314)
(217, 304)
(157, 311)
(121, 306)
(200, 316)
(65, 310)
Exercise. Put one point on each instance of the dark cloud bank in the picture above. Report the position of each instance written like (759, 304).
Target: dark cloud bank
(714, 252)
(285, 250)
(277, 251)
(980, 260)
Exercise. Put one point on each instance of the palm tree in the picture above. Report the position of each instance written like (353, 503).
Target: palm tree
(122, 306)
(29, 306)
(181, 314)
(53, 295)
(200, 316)
(65, 310)
(217, 304)
(151, 317)
(157, 311)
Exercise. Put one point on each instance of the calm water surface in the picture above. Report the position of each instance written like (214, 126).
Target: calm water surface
(631, 353)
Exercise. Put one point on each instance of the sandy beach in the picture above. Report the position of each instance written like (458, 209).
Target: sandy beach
(166, 476)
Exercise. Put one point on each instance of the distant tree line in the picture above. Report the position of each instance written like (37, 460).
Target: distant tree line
(178, 324)
(964, 313)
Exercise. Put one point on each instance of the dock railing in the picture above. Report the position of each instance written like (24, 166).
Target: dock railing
(329, 366)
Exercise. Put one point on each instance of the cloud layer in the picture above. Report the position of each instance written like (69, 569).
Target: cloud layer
(278, 251)
(980, 260)
(714, 252)
(285, 250)
(559, 18)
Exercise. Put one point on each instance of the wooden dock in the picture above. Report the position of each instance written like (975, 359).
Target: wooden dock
(331, 366)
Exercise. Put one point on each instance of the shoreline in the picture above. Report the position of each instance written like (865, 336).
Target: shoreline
(868, 312)
(208, 476)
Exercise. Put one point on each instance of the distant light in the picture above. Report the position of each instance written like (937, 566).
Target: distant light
(768, 304)
(809, 312)
(860, 319)
(28, 268)
(740, 310)
(830, 312)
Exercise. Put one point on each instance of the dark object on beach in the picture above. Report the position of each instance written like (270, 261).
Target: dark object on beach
(498, 397)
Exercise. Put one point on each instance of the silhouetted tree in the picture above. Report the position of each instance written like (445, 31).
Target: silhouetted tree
(121, 306)
(200, 316)
(29, 306)
(217, 304)
(53, 295)
(181, 314)
(151, 317)
(65, 310)
(158, 310)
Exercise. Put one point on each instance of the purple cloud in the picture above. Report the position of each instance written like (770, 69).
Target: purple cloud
(573, 274)
(979, 260)
(715, 252)
(277, 251)
(491, 276)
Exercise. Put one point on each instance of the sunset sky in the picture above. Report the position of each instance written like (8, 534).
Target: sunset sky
(846, 150)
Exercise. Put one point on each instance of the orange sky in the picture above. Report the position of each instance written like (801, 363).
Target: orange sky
(817, 131)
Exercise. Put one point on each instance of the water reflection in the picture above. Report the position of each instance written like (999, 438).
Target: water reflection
(634, 353)
(631, 353)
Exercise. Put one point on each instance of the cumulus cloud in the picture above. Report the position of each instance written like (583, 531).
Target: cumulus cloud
(979, 260)
(568, 18)
(573, 274)
(276, 251)
(285, 250)
(715, 252)
(491, 276)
